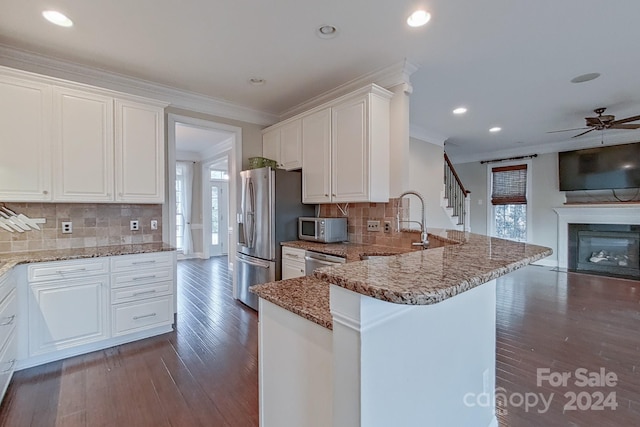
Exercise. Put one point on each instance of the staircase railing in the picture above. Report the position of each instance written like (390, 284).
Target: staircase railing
(456, 194)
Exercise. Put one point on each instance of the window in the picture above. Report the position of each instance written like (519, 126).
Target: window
(509, 202)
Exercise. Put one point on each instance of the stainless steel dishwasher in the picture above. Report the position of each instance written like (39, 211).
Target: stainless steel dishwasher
(313, 260)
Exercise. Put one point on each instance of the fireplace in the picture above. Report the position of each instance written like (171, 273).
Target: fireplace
(606, 249)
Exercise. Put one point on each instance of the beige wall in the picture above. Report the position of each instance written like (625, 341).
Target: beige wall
(544, 197)
(426, 176)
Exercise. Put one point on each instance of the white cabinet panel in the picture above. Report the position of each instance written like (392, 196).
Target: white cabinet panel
(316, 157)
(271, 145)
(73, 269)
(138, 261)
(139, 148)
(25, 140)
(68, 313)
(292, 262)
(7, 362)
(350, 152)
(291, 145)
(83, 145)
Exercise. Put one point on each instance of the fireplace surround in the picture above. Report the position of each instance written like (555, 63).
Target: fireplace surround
(609, 214)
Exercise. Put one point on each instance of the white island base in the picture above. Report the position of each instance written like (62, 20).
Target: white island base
(384, 364)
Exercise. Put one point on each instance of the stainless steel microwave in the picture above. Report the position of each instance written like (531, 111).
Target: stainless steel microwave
(325, 230)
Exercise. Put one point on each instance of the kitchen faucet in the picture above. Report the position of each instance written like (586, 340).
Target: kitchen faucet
(424, 240)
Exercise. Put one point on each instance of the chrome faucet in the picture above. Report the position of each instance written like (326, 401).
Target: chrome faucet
(424, 239)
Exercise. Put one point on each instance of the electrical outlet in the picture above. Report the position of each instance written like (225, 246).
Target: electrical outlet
(387, 226)
(67, 227)
(373, 225)
(154, 224)
(134, 225)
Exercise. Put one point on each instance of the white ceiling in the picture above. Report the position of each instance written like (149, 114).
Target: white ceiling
(508, 61)
(198, 141)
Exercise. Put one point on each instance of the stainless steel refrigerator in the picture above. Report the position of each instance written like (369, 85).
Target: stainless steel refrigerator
(271, 203)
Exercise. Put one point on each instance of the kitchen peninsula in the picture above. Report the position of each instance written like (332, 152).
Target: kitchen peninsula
(406, 339)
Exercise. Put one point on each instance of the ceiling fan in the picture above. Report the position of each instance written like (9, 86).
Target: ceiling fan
(604, 121)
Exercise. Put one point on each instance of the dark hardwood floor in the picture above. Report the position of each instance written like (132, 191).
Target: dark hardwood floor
(205, 373)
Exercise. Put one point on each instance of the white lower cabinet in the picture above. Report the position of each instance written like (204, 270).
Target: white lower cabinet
(68, 313)
(292, 262)
(8, 336)
(78, 306)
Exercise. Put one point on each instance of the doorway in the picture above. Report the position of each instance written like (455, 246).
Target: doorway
(223, 141)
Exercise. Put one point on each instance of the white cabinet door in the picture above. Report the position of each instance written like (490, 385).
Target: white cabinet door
(316, 157)
(350, 151)
(292, 269)
(291, 145)
(139, 151)
(83, 141)
(25, 139)
(68, 313)
(271, 145)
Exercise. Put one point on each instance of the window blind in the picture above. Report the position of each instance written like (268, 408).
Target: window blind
(509, 185)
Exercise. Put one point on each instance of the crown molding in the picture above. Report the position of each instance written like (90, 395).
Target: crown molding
(556, 147)
(387, 77)
(53, 67)
(422, 134)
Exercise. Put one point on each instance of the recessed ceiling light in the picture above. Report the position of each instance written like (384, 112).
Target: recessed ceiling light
(256, 81)
(327, 31)
(460, 110)
(495, 129)
(418, 18)
(585, 78)
(57, 18)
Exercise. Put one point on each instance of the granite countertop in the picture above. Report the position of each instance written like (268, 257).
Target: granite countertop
(350, 251)
(10, 259)
(412, 277)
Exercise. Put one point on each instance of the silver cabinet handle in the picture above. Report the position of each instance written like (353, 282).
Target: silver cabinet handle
(73, 270)
(144, 316)
(9, 320)
(152, 261)
(152, 291)
(293, 255)
(144, 277)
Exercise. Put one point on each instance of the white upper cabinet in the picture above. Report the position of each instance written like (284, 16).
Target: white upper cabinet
(25, 140)
(139, 152)
(291, 145)
(83, 146)
(316, 157)
(66, 142)
(283, 144)
(346, 149)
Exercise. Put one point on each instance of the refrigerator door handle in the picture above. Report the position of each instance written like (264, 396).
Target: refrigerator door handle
(251, 213)
(253, 262)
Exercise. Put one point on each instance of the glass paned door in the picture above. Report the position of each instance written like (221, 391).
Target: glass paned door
(219, 229)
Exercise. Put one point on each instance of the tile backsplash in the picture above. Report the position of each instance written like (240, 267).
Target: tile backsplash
(359, 213)
(94, 224)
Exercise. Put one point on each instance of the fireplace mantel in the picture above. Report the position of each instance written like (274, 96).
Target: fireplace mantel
(591, 214)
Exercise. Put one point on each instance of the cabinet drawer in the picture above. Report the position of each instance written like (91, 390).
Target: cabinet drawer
(138, 261)
(67, 269)
(131, 317)
(134, 293)
(293, 254)
(142, 276)
(7, 284)
(8, 312)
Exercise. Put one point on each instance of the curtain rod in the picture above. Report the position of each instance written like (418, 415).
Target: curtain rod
(531, 156)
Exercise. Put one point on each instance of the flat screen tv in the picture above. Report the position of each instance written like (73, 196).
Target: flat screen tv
(600, 168)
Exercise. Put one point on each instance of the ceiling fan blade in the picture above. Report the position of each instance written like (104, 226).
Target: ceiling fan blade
(627, 126)
(565, 130)
(580, 134)
(628, 119)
